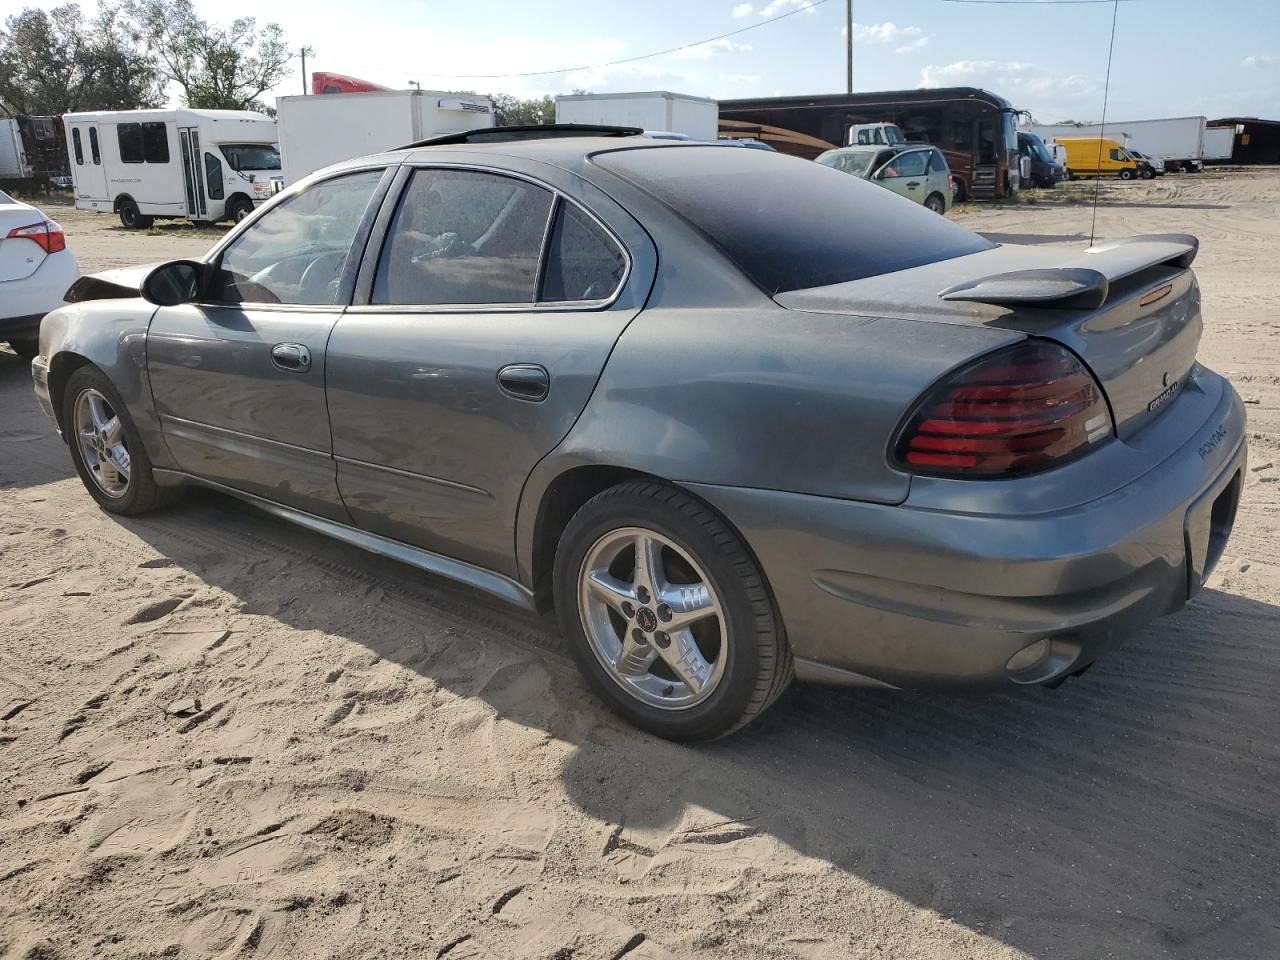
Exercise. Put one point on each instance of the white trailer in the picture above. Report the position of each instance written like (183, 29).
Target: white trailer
(14, 164)
(1219, 142)
(1178, 141)
(203, 165)
(319, 130)
(658, 111)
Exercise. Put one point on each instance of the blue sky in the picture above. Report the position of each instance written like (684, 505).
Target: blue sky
(1172, 57)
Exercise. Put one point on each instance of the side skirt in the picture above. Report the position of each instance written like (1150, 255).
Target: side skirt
(494, 584)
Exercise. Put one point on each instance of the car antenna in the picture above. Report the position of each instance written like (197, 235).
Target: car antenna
(1102, 132)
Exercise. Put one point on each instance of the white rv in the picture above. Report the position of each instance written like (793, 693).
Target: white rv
(318, 130)
(193, 164)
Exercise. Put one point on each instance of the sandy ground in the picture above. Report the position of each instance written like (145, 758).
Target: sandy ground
(386, 765)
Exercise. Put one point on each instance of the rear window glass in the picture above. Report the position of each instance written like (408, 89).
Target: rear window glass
(788, 223)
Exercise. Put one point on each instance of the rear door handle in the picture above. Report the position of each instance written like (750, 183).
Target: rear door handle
(525, 381)
(293, 357)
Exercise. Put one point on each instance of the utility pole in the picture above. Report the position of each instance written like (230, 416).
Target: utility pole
(848, 46)
(304, 52)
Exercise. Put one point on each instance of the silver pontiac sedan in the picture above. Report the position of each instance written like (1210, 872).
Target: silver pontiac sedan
(735, 416)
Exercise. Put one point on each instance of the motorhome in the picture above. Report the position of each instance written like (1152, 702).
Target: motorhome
(205, 165)
(974, 129)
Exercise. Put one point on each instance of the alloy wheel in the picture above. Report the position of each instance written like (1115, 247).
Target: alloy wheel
(100, 435)
(652, 618)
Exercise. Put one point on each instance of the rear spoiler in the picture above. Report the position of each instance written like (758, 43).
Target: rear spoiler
(1083, 280)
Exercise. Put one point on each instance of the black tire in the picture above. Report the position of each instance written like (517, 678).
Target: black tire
(25, 347)
(960, 193)
(1148, 174)
(759, 667)
(238, 208)
(1126, 174)
(143, 494)
(936, 203)
(132, 218)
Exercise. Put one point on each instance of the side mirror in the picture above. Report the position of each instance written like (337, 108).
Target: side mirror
(179, 281)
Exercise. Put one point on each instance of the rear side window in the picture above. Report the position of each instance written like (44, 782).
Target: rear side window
(93, 145)
(460, 236)
(75, 144)
(938, 163)
(788, 223)
(583, 262)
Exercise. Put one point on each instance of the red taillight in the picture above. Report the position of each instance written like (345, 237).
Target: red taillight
(1026, 408)
(46, 233)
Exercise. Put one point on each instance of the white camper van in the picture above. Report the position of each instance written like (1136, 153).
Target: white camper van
(193, 164)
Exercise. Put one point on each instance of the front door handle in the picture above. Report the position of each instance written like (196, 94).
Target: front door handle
(293, 357)
(525, 381)
(913, 184)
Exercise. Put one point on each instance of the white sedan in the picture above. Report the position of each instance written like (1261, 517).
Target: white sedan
(36, 268)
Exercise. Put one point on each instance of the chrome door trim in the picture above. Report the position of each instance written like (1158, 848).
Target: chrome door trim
(410, 475)
(494, 584)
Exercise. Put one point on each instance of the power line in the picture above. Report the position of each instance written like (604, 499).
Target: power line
(643, 56)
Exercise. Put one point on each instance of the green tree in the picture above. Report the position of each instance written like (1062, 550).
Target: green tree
(55, 63)
(511, 111)
(216, 67)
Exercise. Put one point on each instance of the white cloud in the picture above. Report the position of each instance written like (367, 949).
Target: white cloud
(1260, 61)
(1024, 85)
(705, 51)
(886, 32)
(745, 79)
(775, 7)
(637, 76)
(913, 46)
(743, 10)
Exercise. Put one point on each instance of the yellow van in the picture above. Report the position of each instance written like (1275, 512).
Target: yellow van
(1098, 157)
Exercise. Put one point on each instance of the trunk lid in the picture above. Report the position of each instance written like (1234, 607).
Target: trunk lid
(19, 258)
(1129, 309)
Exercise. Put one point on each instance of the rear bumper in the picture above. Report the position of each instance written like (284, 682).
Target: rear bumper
(925, 597)
(24, 302)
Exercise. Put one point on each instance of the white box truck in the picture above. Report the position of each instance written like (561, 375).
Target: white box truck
(204, 165)
(658, 111)
(1178, 141)
(1219, 142)
(319, 130)
(14, 166)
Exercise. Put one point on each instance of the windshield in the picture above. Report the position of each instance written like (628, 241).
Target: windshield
(859, 164)
(787, 223)
(251, 156)
(1038, 148)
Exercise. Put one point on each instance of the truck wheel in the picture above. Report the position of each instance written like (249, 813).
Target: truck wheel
(133, 218)
(959, 194)
(1148, 174)
(667, 614)
(1126, 174)
(238, 208)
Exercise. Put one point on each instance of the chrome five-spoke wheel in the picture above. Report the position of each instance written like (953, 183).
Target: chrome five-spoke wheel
(652, 618)
(100, 435)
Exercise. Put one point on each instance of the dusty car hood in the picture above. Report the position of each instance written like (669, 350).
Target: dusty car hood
(123, 282)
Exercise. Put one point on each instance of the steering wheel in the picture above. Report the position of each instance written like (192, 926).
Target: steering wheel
(320, 270)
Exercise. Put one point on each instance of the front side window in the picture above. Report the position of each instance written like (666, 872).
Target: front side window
(213, 176)
(583, 262)
(251, 156)
(155, 143)
(129, 136)
(460, 236)
(906, 165)
(296, 252)
(93, 145)
(76, 146)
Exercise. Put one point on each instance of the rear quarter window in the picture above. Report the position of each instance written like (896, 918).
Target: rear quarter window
(790, 224)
